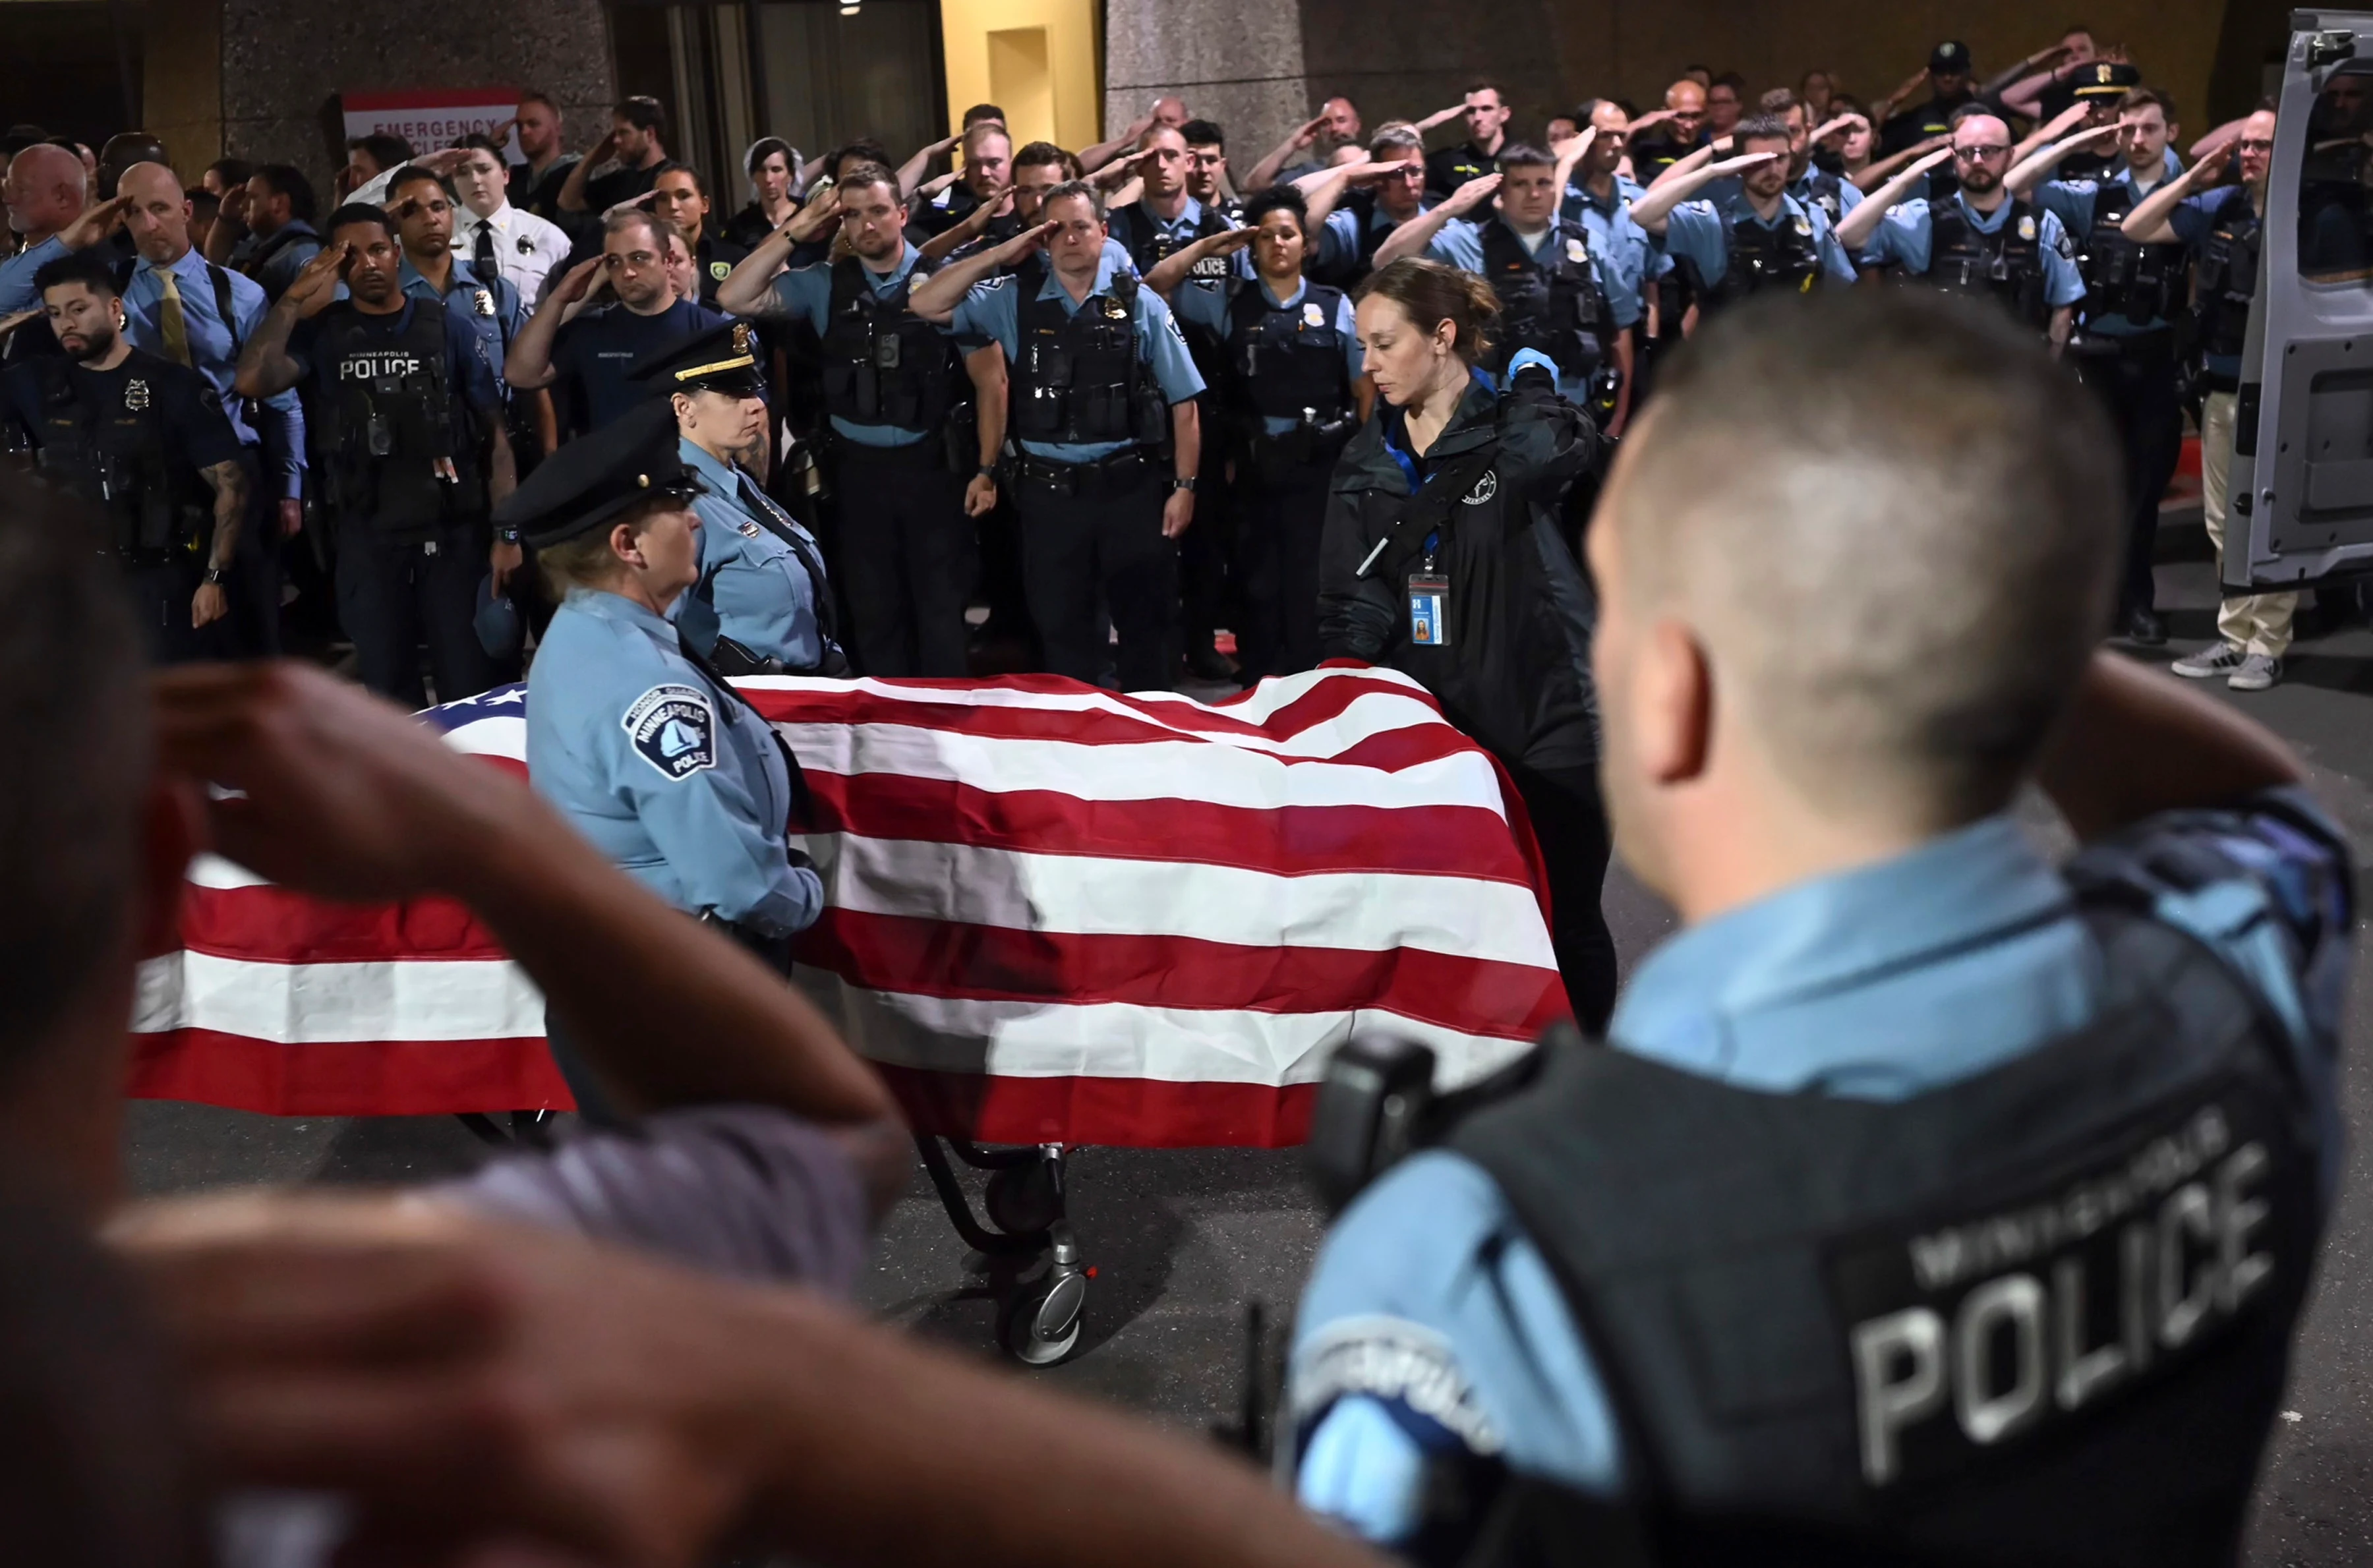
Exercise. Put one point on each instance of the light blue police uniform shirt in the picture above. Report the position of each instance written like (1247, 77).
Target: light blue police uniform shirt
(283, 437)
(1338, 237)
(678, 784)
(1904, 235)
(991, 312)
(1973, 938)
(496, 328)
(760, 589)
(806, 292)
(1204, 302)
(1182, 230)
(2072, 201)
(1700, 232)
(16, 290)
(1621, 246)
(1460, 244)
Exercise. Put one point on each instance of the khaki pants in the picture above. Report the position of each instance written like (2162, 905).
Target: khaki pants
(2259, 623)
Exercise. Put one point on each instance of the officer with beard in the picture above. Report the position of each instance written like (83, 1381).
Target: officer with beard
(143, 440)
(413, 449)
(1981, 239)
(1761, 237)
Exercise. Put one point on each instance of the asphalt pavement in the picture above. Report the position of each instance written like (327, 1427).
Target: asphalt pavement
(1182, 1241)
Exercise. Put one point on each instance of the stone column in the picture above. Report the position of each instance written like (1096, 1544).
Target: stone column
(1236, 63)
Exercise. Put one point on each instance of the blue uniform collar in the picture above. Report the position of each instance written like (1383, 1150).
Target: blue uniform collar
(721, 478)
(1379, 219)
(1980, 221)
(1301, 287)
(907, 260)
(1189, 215)
(462, 276)
(605, 606)
(1052, 288)
(1621, 194)
(1824, 937)
(1737, 206)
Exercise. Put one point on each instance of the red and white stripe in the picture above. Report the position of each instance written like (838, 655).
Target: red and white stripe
(1053, 913)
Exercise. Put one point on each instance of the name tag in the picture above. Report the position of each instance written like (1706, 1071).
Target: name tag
(1429, 603)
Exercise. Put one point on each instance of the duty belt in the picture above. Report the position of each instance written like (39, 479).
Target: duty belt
(1116, 472)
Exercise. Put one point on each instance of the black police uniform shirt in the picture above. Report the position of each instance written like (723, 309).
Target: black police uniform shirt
(466, 369)
(713, 260)
(1446, 169)
(194, 423)
(603, 192)
(1916, 125)
(1433, 1328)
(599, 350)
(540, 194)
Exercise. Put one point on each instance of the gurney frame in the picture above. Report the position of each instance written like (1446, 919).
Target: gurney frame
(1031, 1255)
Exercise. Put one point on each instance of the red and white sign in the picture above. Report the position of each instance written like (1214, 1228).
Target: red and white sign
(432, 117)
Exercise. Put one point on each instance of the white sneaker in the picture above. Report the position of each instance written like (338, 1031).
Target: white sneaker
(2258, 672)
(2222, 660)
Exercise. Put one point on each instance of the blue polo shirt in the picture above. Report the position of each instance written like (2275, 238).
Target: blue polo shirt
(1904, 236)
(991, 312)
(1204, 302)
(1700, 232)
(806, 293)
(601, 348)
(1877, 983)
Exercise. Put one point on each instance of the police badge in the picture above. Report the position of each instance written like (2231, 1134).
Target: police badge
(2027, 226)
(741, 336)
(1804, 224)
(1576, 253)
(484, 302)
(720, 270)
(135, 394)
(1312, 315)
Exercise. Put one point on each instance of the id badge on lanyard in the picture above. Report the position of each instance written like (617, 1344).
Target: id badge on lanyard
(1428, 607)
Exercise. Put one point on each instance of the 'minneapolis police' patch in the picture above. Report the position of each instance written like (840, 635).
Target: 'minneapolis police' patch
(675, 728)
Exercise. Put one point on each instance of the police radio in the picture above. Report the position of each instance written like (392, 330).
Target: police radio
(1378, 1105)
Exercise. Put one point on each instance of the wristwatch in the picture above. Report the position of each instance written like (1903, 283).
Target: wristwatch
(1186, 485)
(215, 576)
(986, 471)
(507, 536)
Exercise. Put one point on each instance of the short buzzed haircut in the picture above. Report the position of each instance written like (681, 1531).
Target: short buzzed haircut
(359, 212)
(1778, 102)
(1891, 521)
(75, 763)
(2143, 98)
(1524, 155)
(1068, 189)
(1394, 141)
(89, 268)
(1204, 134)
(872, 174)
(638, 217)
(1033, 154)
(1756, 128)
(419, 173)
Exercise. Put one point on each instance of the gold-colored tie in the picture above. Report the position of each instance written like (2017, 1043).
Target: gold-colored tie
(171, 323)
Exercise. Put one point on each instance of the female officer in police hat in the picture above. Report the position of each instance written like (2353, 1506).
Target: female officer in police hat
(762, 604)
(650, 754)
(1442, 557)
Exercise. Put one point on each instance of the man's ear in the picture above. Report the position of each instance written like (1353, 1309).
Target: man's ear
(172, 831)
(1673, 705)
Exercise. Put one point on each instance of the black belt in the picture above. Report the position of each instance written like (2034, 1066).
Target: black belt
(1116, 472)
(2215, 382)
(775, 951)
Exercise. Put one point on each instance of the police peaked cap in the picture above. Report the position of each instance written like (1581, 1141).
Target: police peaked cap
(590, 481)
(722, 359)
(2106, 78)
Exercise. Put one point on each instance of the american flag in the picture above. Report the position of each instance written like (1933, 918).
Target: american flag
(1054, 914)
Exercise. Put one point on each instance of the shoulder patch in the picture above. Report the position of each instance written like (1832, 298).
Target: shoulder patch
(1485, 488)
(674, 729)
(1397, 1363)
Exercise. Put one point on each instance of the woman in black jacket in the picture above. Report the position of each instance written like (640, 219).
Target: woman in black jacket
(1441, 558)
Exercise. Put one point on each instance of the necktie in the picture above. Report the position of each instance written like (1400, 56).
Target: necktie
(171, 324)
(482, 254)
(778, 522)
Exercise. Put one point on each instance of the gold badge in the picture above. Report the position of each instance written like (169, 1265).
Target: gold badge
(2026, 226)
(1114, 308)
(135, 394)
(2102, 72)
(485, 301)
(1312, 315)
(741, 338)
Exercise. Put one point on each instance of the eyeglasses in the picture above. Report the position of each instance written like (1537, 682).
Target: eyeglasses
(1976, 155)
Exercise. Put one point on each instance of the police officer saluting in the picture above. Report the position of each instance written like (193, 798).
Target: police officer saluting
(2124, 337)
(649, 753)
(901, 413)
(413, 448)
(1165, 219)
(1758, 238)
(762, 606)
(1556, 297)
(1928, 1204)
(1291, 392)
(143, 440)
(1105, 428)
(1981, 239)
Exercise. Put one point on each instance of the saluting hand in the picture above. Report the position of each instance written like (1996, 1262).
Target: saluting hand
(9, 323)
(813, 219)
(1309, 131)
(1029, 239)
(578, 283)
(316, 283)
(94, 225)
(1746, 161)
(1937, 159)
(1846, 121)
(1470, 196)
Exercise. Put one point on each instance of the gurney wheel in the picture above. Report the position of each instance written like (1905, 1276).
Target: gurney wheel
(1042, 1325)
(1023, 1199)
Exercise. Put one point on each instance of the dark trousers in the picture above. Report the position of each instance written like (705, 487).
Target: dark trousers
(1100, 530)
(254, 580)
(1569, 824)
(393, 596)
(161, 592)
(2138, 388)
(906, 558)
(1207, 552)
(1279, 515)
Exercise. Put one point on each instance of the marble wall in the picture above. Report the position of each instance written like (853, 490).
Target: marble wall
(1236, 63)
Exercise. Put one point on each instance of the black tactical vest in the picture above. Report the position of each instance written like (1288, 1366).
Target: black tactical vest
(1784, 256)
(2040, 1316)
(1149, 246)
(2229, 280)
(2007, 264)
(391, 419)
(119, 461)
(1287, 364)
(1080, 377)
(2140, 283)
(1550, 303)
(884, 364)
